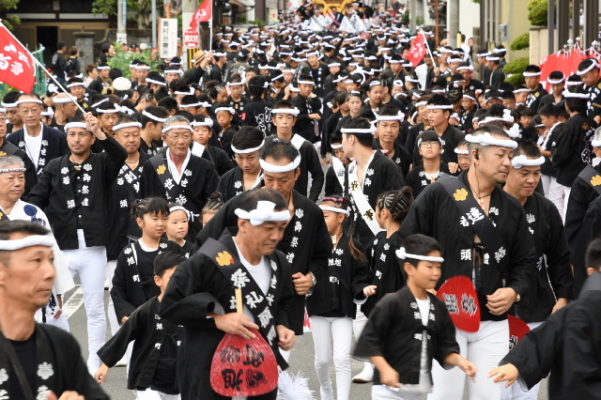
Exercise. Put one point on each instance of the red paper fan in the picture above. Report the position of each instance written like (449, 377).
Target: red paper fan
(459, 294)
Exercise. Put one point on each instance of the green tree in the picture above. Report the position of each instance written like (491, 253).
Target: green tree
(537, 12)
(515, 69)
(521, 42)
(6, 6)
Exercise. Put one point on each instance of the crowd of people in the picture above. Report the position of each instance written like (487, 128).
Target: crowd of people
(177, 189)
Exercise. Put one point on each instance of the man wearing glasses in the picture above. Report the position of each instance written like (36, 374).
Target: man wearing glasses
(177, 175)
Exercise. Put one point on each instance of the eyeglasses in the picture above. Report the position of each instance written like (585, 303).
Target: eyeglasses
(177, 136)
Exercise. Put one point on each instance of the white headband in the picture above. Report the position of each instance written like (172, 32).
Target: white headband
(469, 97)
(306, 83)
(100, 102)
(263, 213)
(439, 107)
(403, 255)
(156, 82)
(70, 85)
(529, 74)
(180, 126)
(485, 139)
(399, 117)
(590, 68)
(179, 92)
(574, 83)
(368, 131)
(574, 95)
(36, 101)
(133, 124)
(7, 170)
(27, 241)
(153, 117)
(109, 110)
(142, 67)
(421, 103)
(174, 71)
(102, 67)
(277, 169)
(207, 122)
(81, 125)
(335, 209)
(197, 104)
(179, 208)
(459, 151)
(8, 105)
(246, 151)
(228, 109)
(556, 81)
(336, 146)
(241, 83)
(523, 161)
(63, 99)
(291, 111)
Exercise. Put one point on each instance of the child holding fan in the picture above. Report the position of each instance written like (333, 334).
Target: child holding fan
(332, 304)
(409, 328)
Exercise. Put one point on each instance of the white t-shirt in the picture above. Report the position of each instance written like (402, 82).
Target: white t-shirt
(33, 145)
(424, 310)
(260, 272)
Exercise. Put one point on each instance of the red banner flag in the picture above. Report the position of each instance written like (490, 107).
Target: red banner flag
(564, 62)
(17, 67)
(418, 50)
(203, 14)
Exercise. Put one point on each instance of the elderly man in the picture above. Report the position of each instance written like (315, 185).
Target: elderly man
(177, 175)
(37, 361)
(73, 192)
(41, 143)
(8, 149)
(484, 236)
(201, 292)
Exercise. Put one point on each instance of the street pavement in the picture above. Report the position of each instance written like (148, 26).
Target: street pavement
(301, 359)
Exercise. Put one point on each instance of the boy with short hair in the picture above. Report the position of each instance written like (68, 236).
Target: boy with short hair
(153, 362)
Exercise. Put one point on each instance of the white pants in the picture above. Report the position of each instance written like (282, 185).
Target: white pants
(110, 312)
(90, 264)
(515, 391)
(333, 338)
(383, 392)
(484, 348)
(566, 197)
(557, 195)
(150, 394)
(546, 181)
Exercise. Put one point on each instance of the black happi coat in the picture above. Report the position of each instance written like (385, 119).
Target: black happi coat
(451, 138)
(589, 230)
(385, 268)
(150, 334)
(569, 148)
(401, 158)
(306, 244)
(339, 286)
(257, 113)
(133, 282)
(54, 145)
(152, 150)
(231, 184)
(122, 226)
(304, 125)
(55, 195)
(219, 159)
(553, 279)
(417, 180)
(195, 290)
(309, 164)
(333, 185)
(59, 367)
(395, 331)
(435, 213)
(381, 175)
(31, 175)
(199, 180)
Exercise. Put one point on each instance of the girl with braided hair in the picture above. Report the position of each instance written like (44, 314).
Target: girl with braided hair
(386, 272)
(332, 304)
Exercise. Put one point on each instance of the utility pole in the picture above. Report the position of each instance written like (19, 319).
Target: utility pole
(453, 21)
(412, 15)
(153, 16)
(551, 26)
(122, 21)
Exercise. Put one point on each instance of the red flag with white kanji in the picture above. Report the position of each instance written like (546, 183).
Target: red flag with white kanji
(418, 50)
(203, 14)
(17, 67)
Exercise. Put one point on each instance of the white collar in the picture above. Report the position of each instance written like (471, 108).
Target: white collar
(177, 175)
(25, 133)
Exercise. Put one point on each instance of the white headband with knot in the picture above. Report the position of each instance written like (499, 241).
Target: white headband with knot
(208, 122)
(485, 139)
(82, 125)
(133, 124)
(263, 213)
(523, 161)
(403, 255)
(291, 111)
(180, 126)
(27, 241)
(277, 169)
(249, 150)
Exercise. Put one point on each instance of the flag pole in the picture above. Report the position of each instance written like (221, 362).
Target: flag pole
(211, 27)
(38, 63)
(428, 47)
